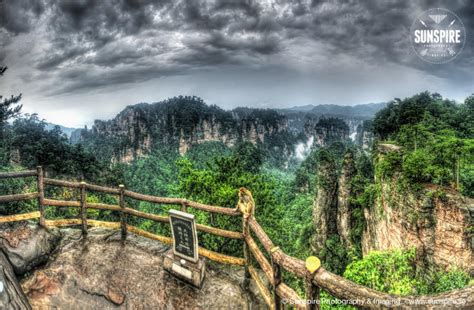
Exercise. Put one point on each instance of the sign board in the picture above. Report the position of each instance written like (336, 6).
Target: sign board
(183, 229)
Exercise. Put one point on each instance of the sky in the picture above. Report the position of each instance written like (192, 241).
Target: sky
(79, 60)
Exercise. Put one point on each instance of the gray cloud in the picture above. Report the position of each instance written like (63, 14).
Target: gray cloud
(17, 16)
(80, 46)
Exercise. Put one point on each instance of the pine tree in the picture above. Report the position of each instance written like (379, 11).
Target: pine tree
(9, 107)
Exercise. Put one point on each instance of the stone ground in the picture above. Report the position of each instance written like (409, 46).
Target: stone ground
(100, 272)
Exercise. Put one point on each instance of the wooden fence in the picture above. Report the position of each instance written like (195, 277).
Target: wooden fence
(277, 294)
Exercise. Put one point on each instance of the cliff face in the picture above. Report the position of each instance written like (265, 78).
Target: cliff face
(327, 131)
(133, 127)
(332, 210)
(181, 122)
(325, 205)
(436, 221)
(364, 135)
(255, 126)
(344, 210)
(299, 120)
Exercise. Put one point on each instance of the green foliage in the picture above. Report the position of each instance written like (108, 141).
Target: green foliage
(153, 175)
(9, 108)
(363, 195)
(202, 153)
(305, 174)
(248, 157)
(467, 179)
(334, 254)
(218, 184)
(16, 186)
(416, 165)
(327, 161)
(445, 281)
(30, 144)
(332, 123)
(395, 272)
(390, 271)
(437, 137)
(297, 227)
(413, 110)
(387, 164)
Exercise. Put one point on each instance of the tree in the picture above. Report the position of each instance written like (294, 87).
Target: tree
(218, 184)
(36, 145)
(451, 151)
(437, 138)
(249, 157)
(465, 118)
(8, 106)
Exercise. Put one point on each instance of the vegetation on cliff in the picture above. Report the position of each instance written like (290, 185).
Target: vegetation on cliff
(394, 272)
(437, 136)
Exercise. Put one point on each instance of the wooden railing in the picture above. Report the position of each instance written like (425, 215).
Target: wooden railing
(277, 294)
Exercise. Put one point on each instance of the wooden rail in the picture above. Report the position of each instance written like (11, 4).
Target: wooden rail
(262, 261)
(144, 215)
(18, 197)
(18, 174)
(147, 198)
(276, 294)
(267, 295)
(19, 217)
(181, 201)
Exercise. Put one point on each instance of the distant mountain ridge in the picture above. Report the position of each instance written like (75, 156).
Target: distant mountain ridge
(66, 130)
(359, 110)
(300, 108)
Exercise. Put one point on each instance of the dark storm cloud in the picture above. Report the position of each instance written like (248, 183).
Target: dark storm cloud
(107, 34)
(17, 16)
(90, 44)
(91, 79)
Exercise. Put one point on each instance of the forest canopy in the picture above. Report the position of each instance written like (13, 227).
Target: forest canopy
(437, 136)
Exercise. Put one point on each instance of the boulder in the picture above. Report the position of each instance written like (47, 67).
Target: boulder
(27, 245)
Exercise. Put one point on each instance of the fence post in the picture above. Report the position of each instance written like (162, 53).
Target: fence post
(40, 186)
(123, 216)
(246, 232)
(312, 291)
(183, 207)
(83, 207)
(276, 280)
